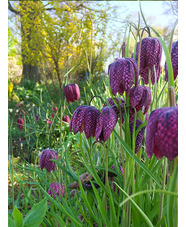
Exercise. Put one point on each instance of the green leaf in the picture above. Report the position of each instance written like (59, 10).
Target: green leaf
(129, 151)
(36, 214)
(10, 222)
(18, 218)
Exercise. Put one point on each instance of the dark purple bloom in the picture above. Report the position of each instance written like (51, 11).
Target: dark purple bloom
(45, 157)
(174, 59)
(162, 133)
(140, 98)
(72, 92)
(92, 122)
(117, 100)
(36, 117)
(55, 187)
(109, 121)
(140, 135)
(55, 109)
(123, 74)
(52, 115)
(20, 123)
(150, 56)
(66, 119)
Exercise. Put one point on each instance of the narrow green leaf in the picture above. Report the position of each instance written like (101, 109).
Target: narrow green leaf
(11, 222)
(18, 218)
(36, 214)
(129, 151)
(137, 207)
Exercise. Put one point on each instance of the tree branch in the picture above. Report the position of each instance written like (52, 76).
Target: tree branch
(12, 9)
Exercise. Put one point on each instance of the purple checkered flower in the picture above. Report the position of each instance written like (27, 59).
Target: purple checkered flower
(92, 122)
(117, 100)
(140, 135)
(20, 123)
(174, 59)
(123, 74)
(36, 117)
(140, 98)
(109, 119)
(55, 188)
(45, 157)
(66, 119)
(72, 92)
(150, 56)
(162, 133)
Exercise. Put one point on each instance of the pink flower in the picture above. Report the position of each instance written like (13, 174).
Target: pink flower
(49, 122)
(20, 123)
(55, 109)
(66, 119)
(55, 187)
(52, 115)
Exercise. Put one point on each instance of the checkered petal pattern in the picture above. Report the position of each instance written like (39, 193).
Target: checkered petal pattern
(174, 59)
(162, 133)
(72, 92)
(140, 135)
(140, 98)
(122, 73)
(150, 57)
(109, 122)
(55, 188)
(45, 157)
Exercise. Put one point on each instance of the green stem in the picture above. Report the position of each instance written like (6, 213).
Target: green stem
(106, 175)
(163, 188)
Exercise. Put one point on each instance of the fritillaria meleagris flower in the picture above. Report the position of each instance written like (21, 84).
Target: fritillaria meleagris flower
(52, 115)
(49, 122)
(36, 117)
(117, 100)
(72, 92)
(162, 133)
(93, 122)
(140, 135)
(140, 98)
(150, 56)
(66, 119)
(45, 157)
(123, 74)
(55, 109)
(20, 123)
(55, 188)
(174, 59)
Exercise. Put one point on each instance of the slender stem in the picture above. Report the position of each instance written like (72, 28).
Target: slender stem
(106, 175)
(163, 187)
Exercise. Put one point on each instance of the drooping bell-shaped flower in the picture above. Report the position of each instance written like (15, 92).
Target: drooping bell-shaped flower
(93, 122)
(66, 119)
(123, 74)
(109, 122)
(20, 123)
(150, 57)
(174, 59)
(140, 135)
(55, 109)
(162, 133)
(45, 157)
(36, 117)
(72, 92)
(55, 187)
(117, 100)
(140, 98)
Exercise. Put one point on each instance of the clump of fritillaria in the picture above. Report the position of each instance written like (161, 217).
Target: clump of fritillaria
(140, 135)
(123, 74)
(20, 123)
(72, 92)
(66, 119)
(140, 98)
(162, 133)
(174, 60)
(93, 122)
(150, 57)
(55, 187)
(45, 161)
